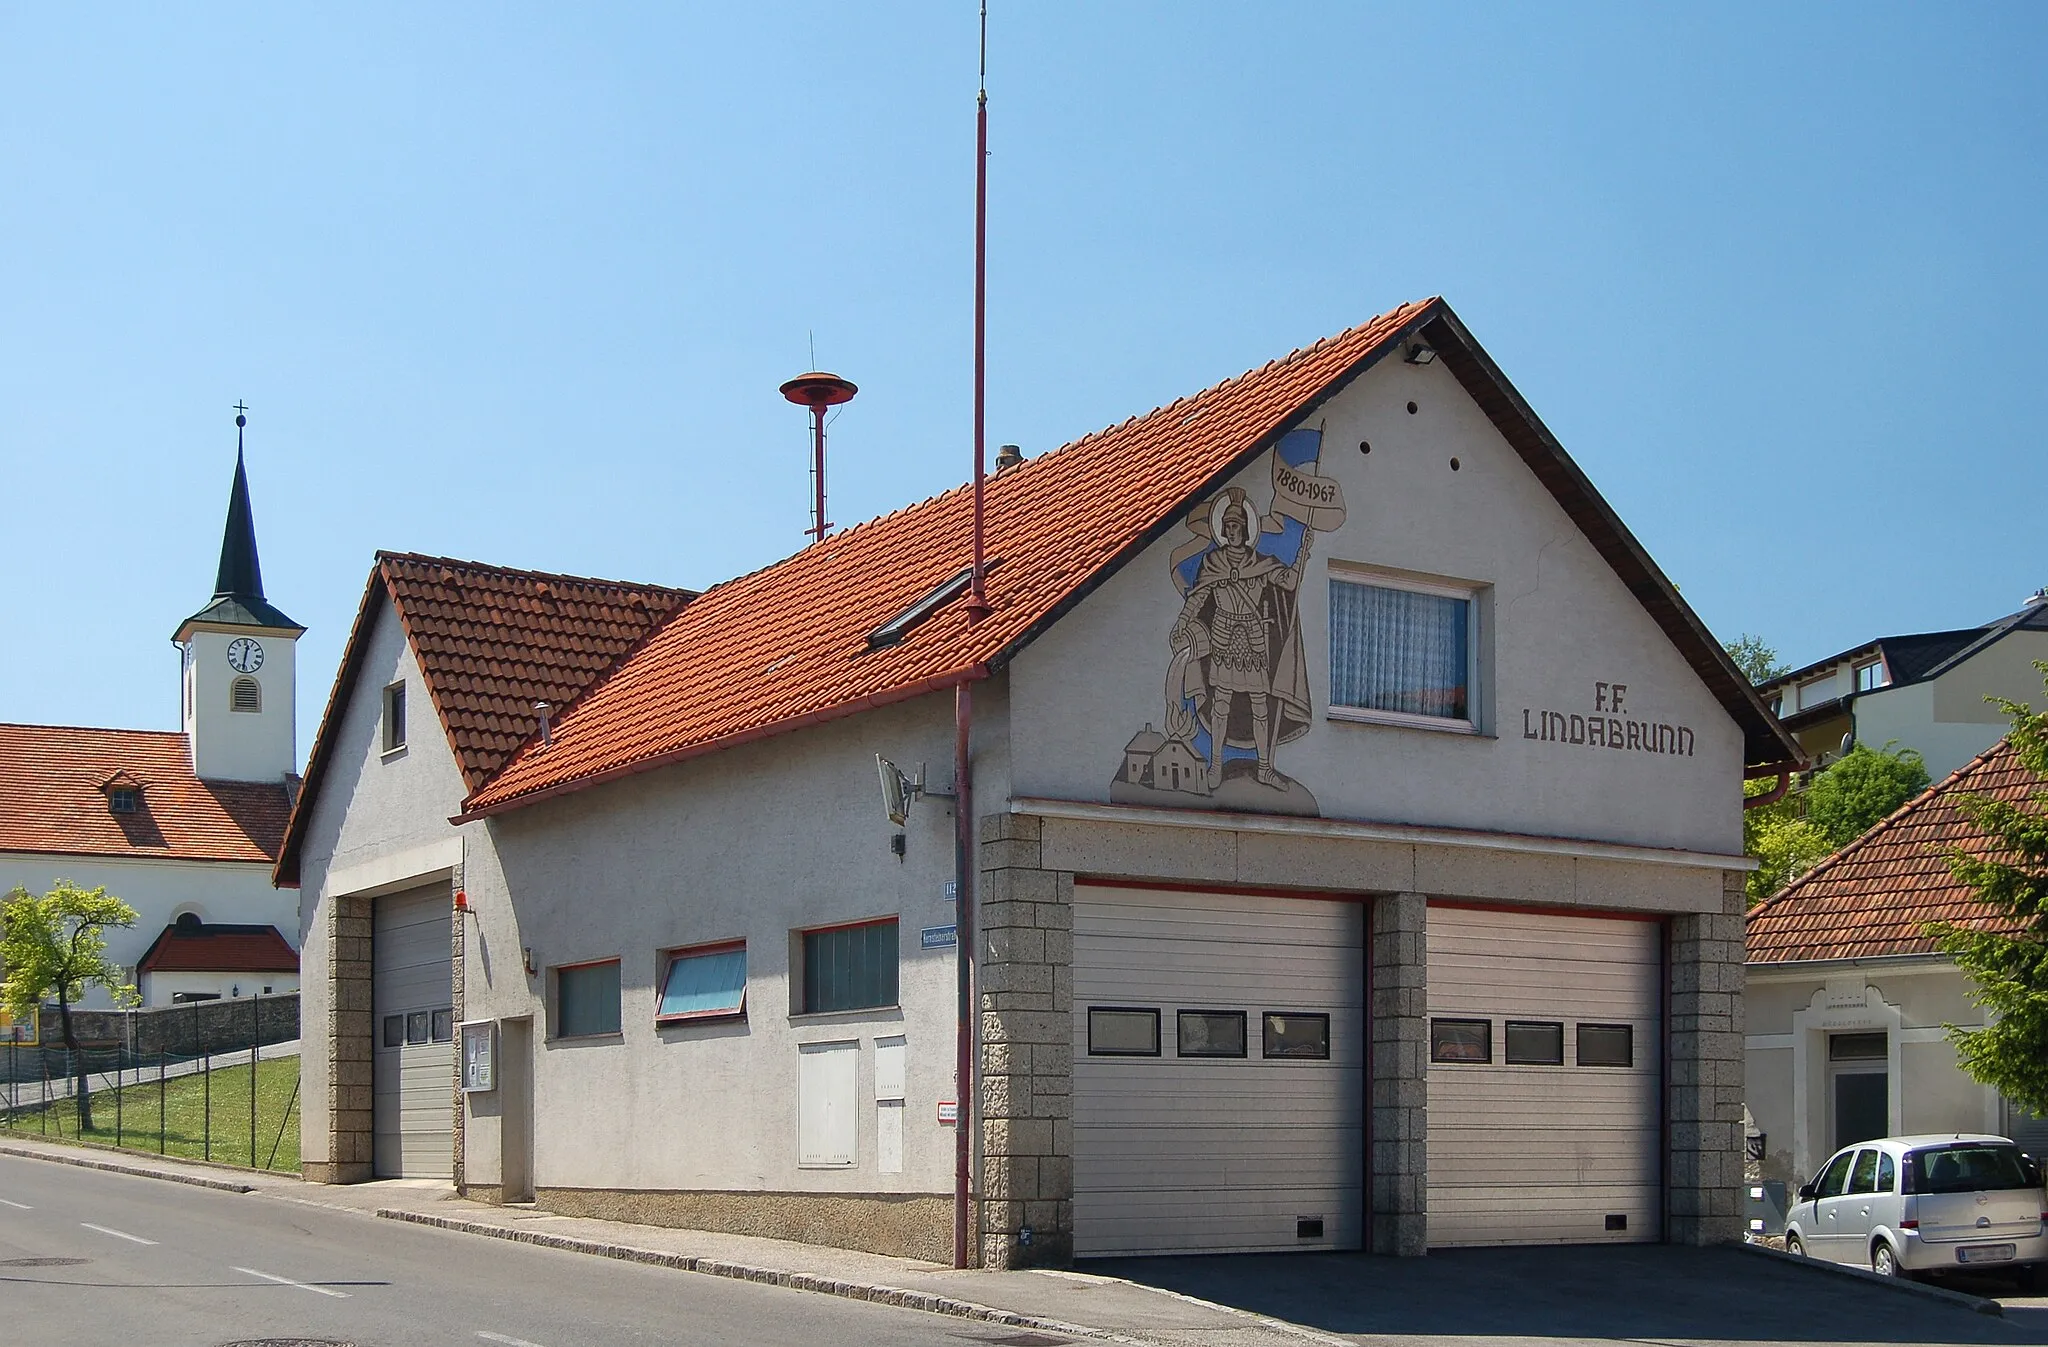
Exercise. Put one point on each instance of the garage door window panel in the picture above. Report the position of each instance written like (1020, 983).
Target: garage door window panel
(1210, 1033)
(1123, 1031)
(1461, 1042)
(1535, 1043)
(587, 1000)
(1292, 1036)
(394, 1031)
(1607, 1045)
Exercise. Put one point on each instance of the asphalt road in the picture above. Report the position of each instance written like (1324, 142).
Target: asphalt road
(165, 1265)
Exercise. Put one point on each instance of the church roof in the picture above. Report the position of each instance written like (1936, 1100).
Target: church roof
(209, 947)
(790, 645)
(54, 782)
(238, 582)
(490, 641)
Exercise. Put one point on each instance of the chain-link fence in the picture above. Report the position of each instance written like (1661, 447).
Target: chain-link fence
(179, 1085)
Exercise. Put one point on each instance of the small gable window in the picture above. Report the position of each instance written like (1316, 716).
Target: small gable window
(245, 694)
(394, 717)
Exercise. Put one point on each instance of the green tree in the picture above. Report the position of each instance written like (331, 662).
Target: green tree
(2008, 968)
(1785, 845)
(1759, 662)
(56, 946)
(1860, 788)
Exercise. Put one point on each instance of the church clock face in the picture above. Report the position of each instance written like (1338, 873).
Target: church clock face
(245, 655)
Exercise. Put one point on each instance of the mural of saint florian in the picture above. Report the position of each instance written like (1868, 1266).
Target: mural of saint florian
(1237, 680)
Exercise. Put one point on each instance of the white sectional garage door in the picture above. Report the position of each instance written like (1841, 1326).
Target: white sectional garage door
(1538, 1131)
(413, 1024)
(1236, 1123)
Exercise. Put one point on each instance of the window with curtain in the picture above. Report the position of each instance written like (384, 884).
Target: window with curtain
(703, 982)
(1401, 652)
(850, 967)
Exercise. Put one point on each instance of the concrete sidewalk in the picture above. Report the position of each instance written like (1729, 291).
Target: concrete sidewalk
(1067, 1303)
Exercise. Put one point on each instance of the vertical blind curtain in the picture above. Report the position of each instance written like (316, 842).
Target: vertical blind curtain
(1397, 650)
(850, 968)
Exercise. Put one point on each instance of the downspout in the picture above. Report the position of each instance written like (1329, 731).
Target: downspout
(966, 1107)
(1774, 794)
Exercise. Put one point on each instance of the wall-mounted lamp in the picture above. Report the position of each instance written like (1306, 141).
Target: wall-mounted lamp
(526, 956)
(1420, 353)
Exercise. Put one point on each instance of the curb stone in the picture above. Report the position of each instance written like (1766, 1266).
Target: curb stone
(1960, 1299)
(136, 1171)
(929, 1301)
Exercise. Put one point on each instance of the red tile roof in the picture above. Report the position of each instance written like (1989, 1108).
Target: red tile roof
(220, 949)
(490, 642)
(1875, 896)
(53, 798)
(788, 645)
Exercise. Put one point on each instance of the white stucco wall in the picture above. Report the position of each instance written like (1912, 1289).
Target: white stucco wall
(160, 891)
(379, 822)
(1556, 625)
(754, 843)
(1788, 1019)
(161, 989)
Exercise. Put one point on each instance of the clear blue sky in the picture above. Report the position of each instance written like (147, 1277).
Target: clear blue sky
(517, 283)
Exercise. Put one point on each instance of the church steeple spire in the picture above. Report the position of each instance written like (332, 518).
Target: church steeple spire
(238, 583)
(241, 574)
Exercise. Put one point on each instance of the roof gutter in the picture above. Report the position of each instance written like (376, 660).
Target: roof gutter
(1775, 793)
(973, 673)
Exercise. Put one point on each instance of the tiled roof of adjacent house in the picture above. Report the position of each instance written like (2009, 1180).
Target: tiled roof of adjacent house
(208, 948)
(1876, 895)
(788, 645)
(491, 642)
(54, 783)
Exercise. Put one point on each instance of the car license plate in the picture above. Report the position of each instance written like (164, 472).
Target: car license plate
(1985, 1253)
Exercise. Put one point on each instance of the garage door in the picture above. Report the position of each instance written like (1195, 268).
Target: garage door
(1219, 1051)
(1543, 1080)
(413, 1004)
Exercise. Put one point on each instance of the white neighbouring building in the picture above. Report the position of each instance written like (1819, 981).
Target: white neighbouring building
(184, 826)
(1358, 856)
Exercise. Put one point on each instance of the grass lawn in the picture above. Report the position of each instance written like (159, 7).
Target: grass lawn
(185, 1112)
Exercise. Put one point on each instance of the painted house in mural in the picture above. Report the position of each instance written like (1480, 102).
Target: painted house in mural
(1314, 911)
(183, 825)
(1848, 996)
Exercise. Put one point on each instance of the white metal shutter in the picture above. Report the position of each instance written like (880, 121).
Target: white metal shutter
(1523, 1154)
(413, 1098)
(1182, 1155)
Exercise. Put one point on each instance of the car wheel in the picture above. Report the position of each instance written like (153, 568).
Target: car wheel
(2033, 1279)
(1884, 1261)
(1795, 1246)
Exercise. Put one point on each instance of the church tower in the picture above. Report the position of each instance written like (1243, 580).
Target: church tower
(238, 674)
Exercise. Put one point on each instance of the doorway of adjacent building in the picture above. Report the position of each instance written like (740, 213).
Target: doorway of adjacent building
(515, 1122)
(1859, 1087)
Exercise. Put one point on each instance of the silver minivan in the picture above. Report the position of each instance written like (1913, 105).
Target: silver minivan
(1905, 1206)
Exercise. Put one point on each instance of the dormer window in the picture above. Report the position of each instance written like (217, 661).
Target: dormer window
(124, 800)
(245, 694)
(1871, 676)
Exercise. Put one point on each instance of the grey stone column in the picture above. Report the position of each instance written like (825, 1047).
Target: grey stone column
(1399, 1090)
(458, 944)
(1705, 1093)
(348, 1101)
(1025, 989)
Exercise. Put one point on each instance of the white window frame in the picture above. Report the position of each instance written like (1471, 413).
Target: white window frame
(394, 691)
(1356, 574)
(1883, 677)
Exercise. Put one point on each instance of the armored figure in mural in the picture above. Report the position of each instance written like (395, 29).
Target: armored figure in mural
(1236, 679)
(1236, 647)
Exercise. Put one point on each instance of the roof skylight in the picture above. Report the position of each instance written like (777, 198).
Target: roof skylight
(896, 628)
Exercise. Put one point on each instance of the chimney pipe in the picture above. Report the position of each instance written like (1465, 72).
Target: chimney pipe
(547, 735)
(1008, 456)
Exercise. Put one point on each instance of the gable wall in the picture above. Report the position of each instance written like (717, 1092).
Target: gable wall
(1555, 621)
(375, 817)
(1947, 718)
